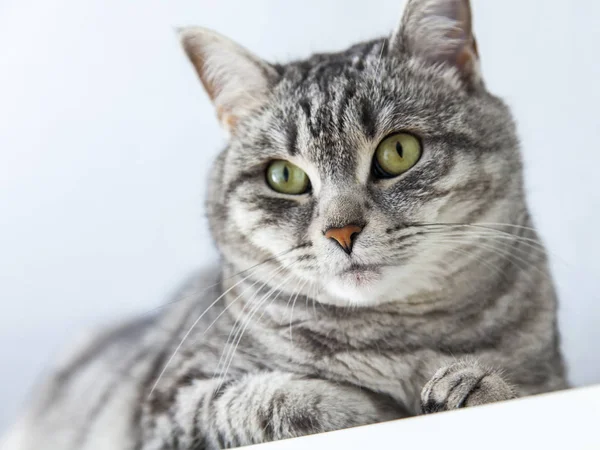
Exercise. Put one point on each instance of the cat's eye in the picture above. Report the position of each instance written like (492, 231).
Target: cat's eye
(287, 178)
(395, 155)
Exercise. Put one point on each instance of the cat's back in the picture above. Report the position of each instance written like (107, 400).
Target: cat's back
(93, 396)
(93, 388)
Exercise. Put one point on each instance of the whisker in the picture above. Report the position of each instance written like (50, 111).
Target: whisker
(190, 330)
(472, 256)
(507, 254)
(249, 319)
(287, 304)
(306, 297)
(483, 227)
(229, 306)
(378, 67)
(487, 229)
(248, 305)
(536, 245)
(314, 299)
(537, 248)
(501, 224)
(293, 303)
(233, 334)
(532, 243)
(187, 297)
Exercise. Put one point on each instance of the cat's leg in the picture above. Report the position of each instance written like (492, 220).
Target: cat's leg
(464, 384)
(266, 407)
(274, 406)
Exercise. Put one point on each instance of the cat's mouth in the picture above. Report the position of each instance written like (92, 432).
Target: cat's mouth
(354, 284)
(361, 274)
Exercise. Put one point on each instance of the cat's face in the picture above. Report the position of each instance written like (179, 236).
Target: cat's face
(336, 163)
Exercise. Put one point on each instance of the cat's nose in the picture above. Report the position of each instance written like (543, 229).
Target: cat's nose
(344, 236)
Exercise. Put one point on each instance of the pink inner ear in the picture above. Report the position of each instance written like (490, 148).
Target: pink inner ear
(227, 119)
(465, 59)
(441, 31)
(475, 49)
(459, 11)
(236, 81)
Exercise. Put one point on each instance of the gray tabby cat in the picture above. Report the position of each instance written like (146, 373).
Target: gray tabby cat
(378, 259)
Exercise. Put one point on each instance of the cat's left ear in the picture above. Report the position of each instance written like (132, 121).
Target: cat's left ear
(440, 32)
(236, 81)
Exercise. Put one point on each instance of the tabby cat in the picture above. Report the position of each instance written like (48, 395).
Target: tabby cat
(377, 259)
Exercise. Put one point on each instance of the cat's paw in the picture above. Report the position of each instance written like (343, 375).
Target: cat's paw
(463, 384)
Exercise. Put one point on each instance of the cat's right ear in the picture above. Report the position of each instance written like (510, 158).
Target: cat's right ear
(440, 32)
(236, 81)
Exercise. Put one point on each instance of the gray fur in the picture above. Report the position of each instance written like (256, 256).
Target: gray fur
(445, 301)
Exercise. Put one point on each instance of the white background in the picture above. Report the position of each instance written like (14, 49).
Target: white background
(106, 138)
(560, 420)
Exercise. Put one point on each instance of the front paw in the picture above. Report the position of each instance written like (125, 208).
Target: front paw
(463, 384)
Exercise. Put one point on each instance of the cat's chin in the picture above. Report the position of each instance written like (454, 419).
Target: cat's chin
(356, 287)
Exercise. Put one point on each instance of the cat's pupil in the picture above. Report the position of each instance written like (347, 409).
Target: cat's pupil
(399, 149)
(286, 174)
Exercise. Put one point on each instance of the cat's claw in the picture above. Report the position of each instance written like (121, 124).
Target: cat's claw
(463, 384)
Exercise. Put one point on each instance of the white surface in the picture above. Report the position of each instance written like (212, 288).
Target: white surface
(106, 137)
(565, 420)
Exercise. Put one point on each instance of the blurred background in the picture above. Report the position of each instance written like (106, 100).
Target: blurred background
(106, 138)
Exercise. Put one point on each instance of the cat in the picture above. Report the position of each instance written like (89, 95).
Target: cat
(378, 259)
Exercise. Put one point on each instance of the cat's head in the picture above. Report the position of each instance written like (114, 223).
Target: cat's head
(339, 167)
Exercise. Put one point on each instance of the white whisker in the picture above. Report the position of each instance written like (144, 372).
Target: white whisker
(293, 303)
(506, 253)
(190, 330)
(197, 293)
(248, 305)
(249, 319)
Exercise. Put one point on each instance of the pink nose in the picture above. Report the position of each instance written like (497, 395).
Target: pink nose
(344, 236)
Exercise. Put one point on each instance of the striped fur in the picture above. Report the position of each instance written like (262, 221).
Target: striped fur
(445, 301)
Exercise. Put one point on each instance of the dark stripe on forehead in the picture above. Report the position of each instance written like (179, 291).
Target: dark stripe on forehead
(323, 120)
(367, 118)
(306, 108)
(347, 94)
(291, 137)
(305, 105)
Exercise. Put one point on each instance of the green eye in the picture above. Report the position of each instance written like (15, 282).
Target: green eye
(285, 177)
(395, 155)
